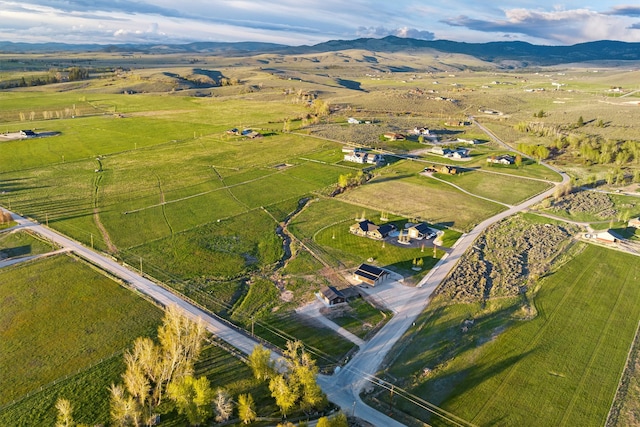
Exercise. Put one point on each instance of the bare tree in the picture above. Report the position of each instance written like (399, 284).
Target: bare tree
(222, 405)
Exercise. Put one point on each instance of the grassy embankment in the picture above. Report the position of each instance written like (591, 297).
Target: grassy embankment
(560, 368)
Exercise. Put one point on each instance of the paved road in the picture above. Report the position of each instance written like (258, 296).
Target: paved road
(312, 310)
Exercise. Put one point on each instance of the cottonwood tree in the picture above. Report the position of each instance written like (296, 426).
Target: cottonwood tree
(246, 408)
(125, 411)
(193, 398)
(302, 376)
(150, 367)
(297, 383)
(65, 413)
(261, 364)
(339, 420)
(286, 396)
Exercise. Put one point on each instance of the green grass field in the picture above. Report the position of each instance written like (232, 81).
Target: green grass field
(401, 191)
(560, 368)
(505, 189)
(60, 316)
(20, 243)
(361, 318)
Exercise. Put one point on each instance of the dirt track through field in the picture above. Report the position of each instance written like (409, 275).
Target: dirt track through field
(111, 248)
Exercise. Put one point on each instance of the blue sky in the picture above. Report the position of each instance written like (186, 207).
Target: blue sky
(296, 22)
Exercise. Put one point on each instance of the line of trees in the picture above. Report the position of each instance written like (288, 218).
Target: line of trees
(539, 151)
(593, 149)
(352, 180)
(293, 383)
(156, 371)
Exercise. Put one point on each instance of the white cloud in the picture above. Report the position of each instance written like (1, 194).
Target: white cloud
(381, 31)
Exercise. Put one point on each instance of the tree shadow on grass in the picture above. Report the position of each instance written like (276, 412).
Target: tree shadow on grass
(350, 84)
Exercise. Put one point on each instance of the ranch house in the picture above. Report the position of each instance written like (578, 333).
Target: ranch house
(420, 231)
(392, 136)
(370, 275)
(606, 237)
(368, 229)
(504, 159)
(331, 296)
(358, 156)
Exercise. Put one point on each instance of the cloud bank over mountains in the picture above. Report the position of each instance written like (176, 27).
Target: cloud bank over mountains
(297, 22)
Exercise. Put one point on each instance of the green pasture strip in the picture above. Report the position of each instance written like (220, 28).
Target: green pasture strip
(333, 155)
(22, 243)
(220, 250)
(320, 175)
(272, 189)
(528, 169)
(322, 213)
(325, 345)
(61, 316)
(361, 319)
(421, 197)
(505, 189)
(59, 191)
(260, 298)
(87, 390)
(281, 210)
(89, 137)
(560, 368)
(302, 263)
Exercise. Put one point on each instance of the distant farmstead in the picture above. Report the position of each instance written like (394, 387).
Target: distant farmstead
(370, 275)
(392, 136)
(504, 159)
(362, 157)
(634, 222)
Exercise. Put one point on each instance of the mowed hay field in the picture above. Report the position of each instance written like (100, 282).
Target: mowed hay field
(561, 368)
(58, 317)
(402, 191)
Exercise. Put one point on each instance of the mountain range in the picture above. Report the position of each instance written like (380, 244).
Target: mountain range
(525, 53)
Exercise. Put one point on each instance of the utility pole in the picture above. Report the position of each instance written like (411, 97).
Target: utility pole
(46, 219)
(140, 265)
(91, 240)
(252, 324)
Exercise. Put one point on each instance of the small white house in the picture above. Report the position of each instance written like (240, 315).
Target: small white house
(353, 121)
(606, 236)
